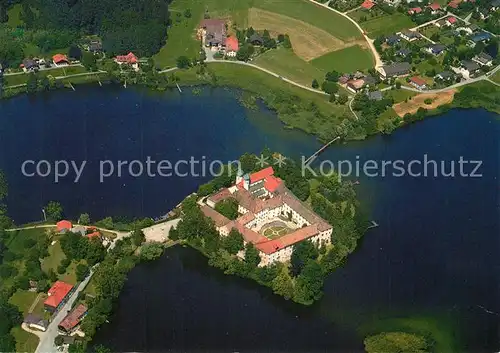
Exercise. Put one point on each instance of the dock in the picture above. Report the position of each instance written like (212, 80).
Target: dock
(72, 87)
(372, 225)
(180, 91)
(316, 154)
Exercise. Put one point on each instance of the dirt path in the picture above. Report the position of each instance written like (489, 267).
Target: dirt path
(411, 106)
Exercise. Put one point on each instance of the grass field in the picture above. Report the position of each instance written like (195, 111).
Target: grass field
(345, 60)
(276, 232)
(54, 259)
(23, 300)
(399, 95)
(496, 77)
(286, 63)
(386, 25)
(308, 41)
(14, 14)
(25, 341)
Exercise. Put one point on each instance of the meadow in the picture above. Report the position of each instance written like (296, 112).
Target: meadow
(385, 25)
(345, 60)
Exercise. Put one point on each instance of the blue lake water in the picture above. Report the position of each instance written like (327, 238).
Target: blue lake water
(435, 258)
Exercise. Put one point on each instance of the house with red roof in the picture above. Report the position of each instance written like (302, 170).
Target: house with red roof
(450, 21)
(57, 295)
(60, 60)
(64, 226)
(367, 4)
(454, 4)
(414, 10)
(70, 321)
(129, 59)
(232, 46)
(418, 82)
(435, 8)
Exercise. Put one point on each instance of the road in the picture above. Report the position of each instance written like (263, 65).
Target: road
(46, 344)
(378, 61)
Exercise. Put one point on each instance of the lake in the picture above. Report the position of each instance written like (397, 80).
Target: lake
(433, 264)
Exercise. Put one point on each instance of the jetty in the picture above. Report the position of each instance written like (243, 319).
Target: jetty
(373, 224)
(316, 154)
(180, 91)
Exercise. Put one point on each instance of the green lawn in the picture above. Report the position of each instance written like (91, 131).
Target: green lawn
(316, 15)
(56, 255)
(496, 77)
(345, 60)
(398, 95)
(23, 300)
(14, 14)
(284, 62)
(25, 341)
(17, 238)
(386, 25)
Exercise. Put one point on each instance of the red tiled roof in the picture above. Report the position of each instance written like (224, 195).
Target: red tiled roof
(368, 4)
(73, 318)
(261, 174)
(218, 219)
(94, 234)
(130, 58)
(272, 183)
(454, 3)
(61, 225)
(415, 10)
(59, 58)
(232, 44)
(434, 6)
(221, 195)
(451, 19)
(299, 235)
(418, 81)
(57, 293)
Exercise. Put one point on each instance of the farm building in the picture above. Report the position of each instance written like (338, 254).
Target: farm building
(394, 70)
(58, 294)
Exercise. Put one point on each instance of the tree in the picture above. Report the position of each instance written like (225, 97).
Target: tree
(32, 83)
(247, 162)
(250, 32)
(245, 52)
(84, 219)
(315, 84)
(27, 15)
(283, 284)
(233, 242)
(81, 272)
(332, 76)
(89, 61)
(151, 251)
(22, 282)
(138, 237)
(187, 13)
(309, 283)
(252, 257)
(396, 342)
(287, 43)
(228, 208)
(330, 87)
(7, 271)
(45, 83)
(54, 211)
(58, 340)
(183, 62)
(342, 99)
(302, 252)
(75, 52)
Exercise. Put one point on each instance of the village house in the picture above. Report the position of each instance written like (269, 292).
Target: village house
(30, 65)
(57, 295)
(60, 60)
(434, 8)
(409, 36)
(445, 76)
(375, 96)
(392, 40)
(357, 84)
(263, 199)
(129, 59)
(467, 69)
(483, 59)
(414, 10)
(73, 319)
(256, 39)
(404, 52)
(64, 226)
(212, 33)
(232, 46)
(464, 29)
(367, 5)
(483, 13)
(392, 2)
(450, 21)
(95, 46)
(36, 322)
(418, 83)
(440, 23)
(478, 38)
(494, 5)
(435, 49)
(454, 4)
(394, 70)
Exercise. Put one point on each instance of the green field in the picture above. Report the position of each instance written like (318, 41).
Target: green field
(385, 25)
(276, 232)
(399, 95)
(23, 300)
(496, 77)
(284, 62)
(182, 34)
(345, 60)
(14, 14)
(25, 341)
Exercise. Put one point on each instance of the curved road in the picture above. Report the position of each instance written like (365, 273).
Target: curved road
(378, 61)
